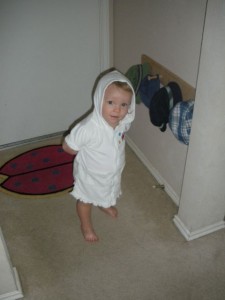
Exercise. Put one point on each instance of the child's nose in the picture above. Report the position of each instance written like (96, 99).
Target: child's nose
(117, 108)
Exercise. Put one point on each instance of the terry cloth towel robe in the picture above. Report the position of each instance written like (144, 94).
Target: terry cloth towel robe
(101, 150)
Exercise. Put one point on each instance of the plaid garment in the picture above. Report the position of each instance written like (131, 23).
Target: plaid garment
(180, 120)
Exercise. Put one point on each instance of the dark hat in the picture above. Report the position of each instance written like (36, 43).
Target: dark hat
(180, 120)
(149, 86)
(135, 74)
(162, 102)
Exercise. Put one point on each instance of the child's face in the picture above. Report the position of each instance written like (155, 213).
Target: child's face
(115, 104)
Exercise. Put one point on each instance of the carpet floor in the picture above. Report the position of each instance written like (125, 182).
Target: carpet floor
(140, 256)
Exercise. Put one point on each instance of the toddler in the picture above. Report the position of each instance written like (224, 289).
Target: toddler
(98, 141)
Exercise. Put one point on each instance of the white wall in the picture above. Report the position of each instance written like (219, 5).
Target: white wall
(202, 203)
(170, 32)
(49, 60)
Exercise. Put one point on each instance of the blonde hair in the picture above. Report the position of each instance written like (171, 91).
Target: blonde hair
(123, 85)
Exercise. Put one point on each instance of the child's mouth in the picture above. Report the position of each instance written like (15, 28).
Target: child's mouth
(114, 117)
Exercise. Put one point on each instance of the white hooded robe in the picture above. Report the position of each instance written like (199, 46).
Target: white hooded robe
(100, 160)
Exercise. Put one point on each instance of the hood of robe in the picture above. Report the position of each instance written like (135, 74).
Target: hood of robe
(99, 92)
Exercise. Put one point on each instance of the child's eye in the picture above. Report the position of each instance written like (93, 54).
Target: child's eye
(124, 105)
(110, 102)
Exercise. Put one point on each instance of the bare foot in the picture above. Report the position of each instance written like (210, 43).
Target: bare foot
(89, 234)
(111, 211)
(84, 213)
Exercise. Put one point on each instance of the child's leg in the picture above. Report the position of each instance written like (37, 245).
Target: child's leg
(84, 213)
(112, 211)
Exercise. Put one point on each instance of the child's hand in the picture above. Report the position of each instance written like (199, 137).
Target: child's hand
(67, 149)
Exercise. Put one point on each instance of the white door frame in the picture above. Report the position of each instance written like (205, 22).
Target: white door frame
(105, 30)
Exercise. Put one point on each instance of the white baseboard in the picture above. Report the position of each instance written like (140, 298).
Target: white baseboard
(184, 231)
(153, 171)
(10, 287)
(197, 233)
(32, 140)
(14, 295)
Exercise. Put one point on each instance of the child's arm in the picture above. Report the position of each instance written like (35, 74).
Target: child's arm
(67, 149)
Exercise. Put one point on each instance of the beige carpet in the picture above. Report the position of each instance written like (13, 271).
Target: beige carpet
(140, 256)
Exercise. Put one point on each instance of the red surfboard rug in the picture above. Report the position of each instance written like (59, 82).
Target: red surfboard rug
(41, 171)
